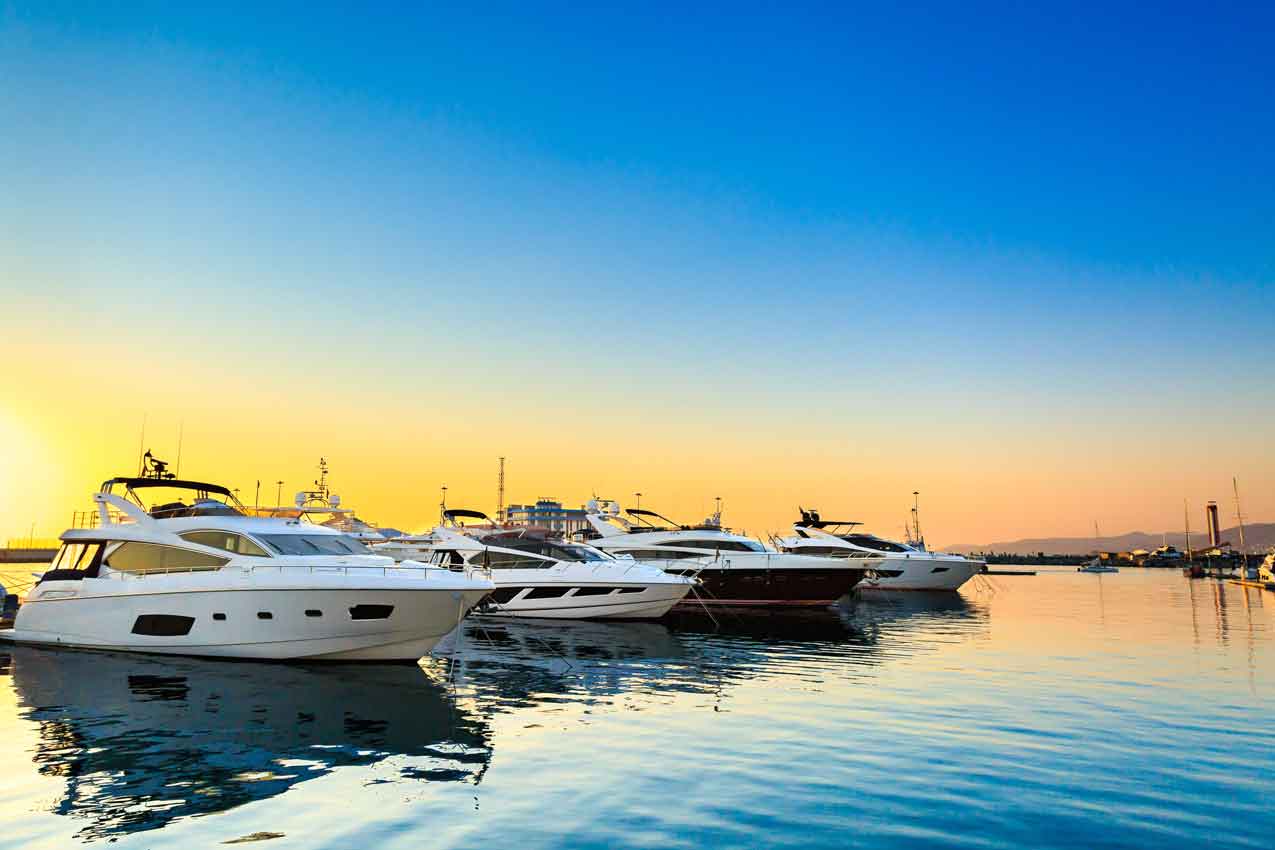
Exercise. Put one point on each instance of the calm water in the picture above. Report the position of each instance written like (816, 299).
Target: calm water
(1065, 710)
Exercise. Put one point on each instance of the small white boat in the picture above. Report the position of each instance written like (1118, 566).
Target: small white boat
(202, 578)
(1097, 566)
(539, 576)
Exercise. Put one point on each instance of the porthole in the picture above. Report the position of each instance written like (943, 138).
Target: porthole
(313, 612)
(219, 616)
(264, 615)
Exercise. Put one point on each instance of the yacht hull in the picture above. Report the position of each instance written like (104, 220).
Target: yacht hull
(730, 586)
(350, 624)
(622, 602)
(923, 574)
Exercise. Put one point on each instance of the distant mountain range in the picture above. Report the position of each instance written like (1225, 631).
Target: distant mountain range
(1258, 537)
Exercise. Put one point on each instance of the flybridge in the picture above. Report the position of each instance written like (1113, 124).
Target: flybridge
(810, 519)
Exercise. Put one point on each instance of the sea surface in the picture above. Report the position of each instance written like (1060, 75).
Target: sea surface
(1062, 710)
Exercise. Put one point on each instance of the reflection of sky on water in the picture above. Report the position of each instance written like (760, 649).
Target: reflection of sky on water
(1120, 710)
(140, 741)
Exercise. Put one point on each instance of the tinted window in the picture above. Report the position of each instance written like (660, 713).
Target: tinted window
(867, 541)
(593, 591)
(227, 541)
(162, 625)
(715, 545)
(154, 558)
(75, 561)
(508, 561)
(550, 548)
(501, 595)
(370, 612)
(820, 550)
(659, 554)
(314, 544)
(547, 592)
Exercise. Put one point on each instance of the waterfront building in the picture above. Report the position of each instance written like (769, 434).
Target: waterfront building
(547, 513)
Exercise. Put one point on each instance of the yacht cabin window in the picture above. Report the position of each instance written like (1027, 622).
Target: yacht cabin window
(154, 558)
(723, 545)
(314, 544)
(76, 556)
(658, 554)
(867, 541)
(75, 561)
(561, 551)
(226, 540)
(498, 560)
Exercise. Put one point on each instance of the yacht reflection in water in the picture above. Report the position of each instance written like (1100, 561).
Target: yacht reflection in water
(142, 742)
(521, 664)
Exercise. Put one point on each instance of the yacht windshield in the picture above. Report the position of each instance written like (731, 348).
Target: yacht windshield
(314, 544)
(556, 549)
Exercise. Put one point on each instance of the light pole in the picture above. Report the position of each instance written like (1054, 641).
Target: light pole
(639, 499)
(278, 493)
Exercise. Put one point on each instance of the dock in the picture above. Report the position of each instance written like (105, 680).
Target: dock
(27, 556)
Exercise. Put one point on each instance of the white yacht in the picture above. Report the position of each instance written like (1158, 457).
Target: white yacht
(734, 570)
(321, 506)
(902, 566)
(199, 577)
(539, 576)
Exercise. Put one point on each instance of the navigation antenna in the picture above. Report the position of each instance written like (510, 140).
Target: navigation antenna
(500, 494)
(322, 484)
(442, 506)
(916, 518)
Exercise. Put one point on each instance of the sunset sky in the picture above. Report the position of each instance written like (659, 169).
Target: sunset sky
(1022, 261)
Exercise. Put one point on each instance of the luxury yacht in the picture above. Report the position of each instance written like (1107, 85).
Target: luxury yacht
(321, 506)
(197, 576)
(539, 576)
(733, 570)
(902, 566)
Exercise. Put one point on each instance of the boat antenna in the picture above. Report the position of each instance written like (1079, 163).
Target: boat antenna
(141, 444)
(1239, 515)
(442, 505)
(322, 483)
(181, 427)
(916, 517)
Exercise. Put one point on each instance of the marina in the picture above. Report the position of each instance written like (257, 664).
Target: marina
(737, 426)
(980, 707)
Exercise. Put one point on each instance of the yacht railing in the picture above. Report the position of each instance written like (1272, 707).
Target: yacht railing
(385, 571)
(93, 519)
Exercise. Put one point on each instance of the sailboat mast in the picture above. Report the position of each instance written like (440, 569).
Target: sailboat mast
(1186, 520)
(1239, 515)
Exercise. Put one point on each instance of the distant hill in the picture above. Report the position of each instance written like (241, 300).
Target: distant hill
(1258, 537)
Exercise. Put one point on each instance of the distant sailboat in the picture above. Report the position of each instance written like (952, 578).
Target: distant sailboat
(1096, 565)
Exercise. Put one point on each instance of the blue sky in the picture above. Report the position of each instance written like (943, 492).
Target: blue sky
(1002, 211)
